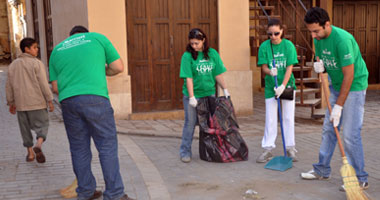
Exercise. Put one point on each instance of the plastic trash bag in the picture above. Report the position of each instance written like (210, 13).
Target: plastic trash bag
(219, 137)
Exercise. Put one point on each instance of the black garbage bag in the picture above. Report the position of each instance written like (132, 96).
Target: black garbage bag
(219, 137)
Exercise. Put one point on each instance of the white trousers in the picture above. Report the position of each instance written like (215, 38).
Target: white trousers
(271, 124)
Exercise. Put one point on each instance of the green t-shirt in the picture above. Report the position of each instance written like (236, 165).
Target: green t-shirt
(285, 54)
(338, 50)
(202, 72)
(78, 65)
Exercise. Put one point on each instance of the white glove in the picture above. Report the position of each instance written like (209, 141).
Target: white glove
(273, 72)
(226, 93)
(335, 114)
(318, 67)
(279, 90)
(193, 102)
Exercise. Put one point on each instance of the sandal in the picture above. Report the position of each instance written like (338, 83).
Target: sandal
(29, 159)
(40, 157)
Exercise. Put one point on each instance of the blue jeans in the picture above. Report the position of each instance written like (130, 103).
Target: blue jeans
(351, 121)
(86, 117)
(188, 128)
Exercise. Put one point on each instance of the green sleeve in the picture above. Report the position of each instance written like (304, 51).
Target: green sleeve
(317, 51)
(292, 55)
(345, 52)
(185, 69)
(52, 72)
(263, 57)
(219, 67)
(109, 49)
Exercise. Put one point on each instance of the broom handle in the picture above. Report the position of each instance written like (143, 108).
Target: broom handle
(325, 89)
(280, 112)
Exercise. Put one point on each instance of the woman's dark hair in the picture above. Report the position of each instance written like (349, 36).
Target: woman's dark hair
(316, 15)
(197, 33)
(78, 29)
(277, 22)
(27, 42)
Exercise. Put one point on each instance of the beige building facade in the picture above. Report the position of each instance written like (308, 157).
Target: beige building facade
(51, 21)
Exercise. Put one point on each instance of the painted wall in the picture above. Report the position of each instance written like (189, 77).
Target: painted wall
(66, 14)
(113, 25)
(233, 18)
(233, 43)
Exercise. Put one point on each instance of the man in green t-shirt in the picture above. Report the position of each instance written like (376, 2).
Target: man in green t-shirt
(338, 53)
(78, 73)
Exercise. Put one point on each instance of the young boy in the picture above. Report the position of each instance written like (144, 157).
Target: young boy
(28, 93)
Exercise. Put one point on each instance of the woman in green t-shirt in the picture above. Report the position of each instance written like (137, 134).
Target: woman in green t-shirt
(285, 55)
(201, 68)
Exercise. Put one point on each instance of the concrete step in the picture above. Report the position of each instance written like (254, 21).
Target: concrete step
(263, 17)
(309, 64)
(318, 113)
(307, 91)
(308, 102)
(265, 37)
(307, 80)
(298, 68)
(259, 8)
(261, 27)
(172, 114)
(258, 27)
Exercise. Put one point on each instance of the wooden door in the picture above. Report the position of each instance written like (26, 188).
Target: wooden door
(48, 28)
(291, 19)
(36, 25)
(157, 38)
(361, 19)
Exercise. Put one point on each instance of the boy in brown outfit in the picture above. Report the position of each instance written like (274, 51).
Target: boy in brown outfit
(29, 94)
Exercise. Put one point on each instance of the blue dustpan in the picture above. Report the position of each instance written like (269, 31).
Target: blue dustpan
(280, 163)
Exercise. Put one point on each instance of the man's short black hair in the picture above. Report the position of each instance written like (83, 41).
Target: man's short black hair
(27, 42)
(78, 29)
(317, 15)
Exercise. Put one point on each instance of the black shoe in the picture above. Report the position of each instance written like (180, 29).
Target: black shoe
(125, 197)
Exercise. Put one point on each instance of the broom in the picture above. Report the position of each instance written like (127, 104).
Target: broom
(69, 191)
(350, 181)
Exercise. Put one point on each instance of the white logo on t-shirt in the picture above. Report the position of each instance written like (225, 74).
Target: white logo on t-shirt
(348, 56)
(204, 67)
(74, 42)
(325, 51)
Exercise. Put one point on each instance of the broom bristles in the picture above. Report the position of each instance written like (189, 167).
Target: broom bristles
(351, 183)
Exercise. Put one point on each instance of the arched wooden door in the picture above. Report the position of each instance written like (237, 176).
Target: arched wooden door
(362, 20)
(157, 38)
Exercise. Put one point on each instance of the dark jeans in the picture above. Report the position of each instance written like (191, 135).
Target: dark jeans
(86, 117)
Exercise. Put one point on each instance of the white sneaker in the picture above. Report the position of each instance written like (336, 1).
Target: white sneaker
(363, 186)
(265, 156)
(311, 175)
(292, 153)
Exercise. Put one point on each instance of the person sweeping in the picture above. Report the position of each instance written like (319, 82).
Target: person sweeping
(339, 55)
(284, 54)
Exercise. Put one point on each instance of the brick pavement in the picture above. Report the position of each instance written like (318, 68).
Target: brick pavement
(202, 180)
(154, 167)
(20, 180)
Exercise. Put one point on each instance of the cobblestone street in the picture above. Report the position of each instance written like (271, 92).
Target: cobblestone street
(151, 169)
